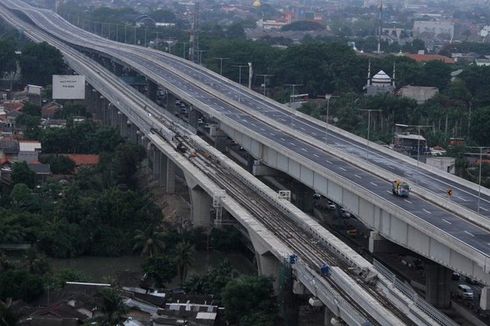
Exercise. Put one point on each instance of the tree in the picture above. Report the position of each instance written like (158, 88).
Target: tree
(249, 298)
(480, 126)
(161, 269)
(20, 284)
(7, 316)
(21, 173)
(112, 307)
(7, 57)
(60, 164)
(39, 62)
(183, 259)
(213, 282)
(21, 196)
(149, 241)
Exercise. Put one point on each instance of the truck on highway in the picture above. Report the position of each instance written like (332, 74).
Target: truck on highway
(400, 188)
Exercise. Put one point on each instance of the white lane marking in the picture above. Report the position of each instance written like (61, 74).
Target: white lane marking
(484, 209)
(469, 233)
(316, 155)
(341, 168)
(374, 184)
(329, 162)
(283, 139)
(389, 192)
(408, 201)
(428, 212)
(446, 221)
(461, 198)
(262, 129)
(357, 176)
(302, 128)
(304, 149)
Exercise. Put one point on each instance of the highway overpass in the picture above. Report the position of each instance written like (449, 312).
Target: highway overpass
(451, 234)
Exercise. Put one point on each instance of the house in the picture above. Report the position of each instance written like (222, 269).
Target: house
(9, 146)
(48, 111)
(430, 57)
(84, 160)
(421, 94)
(61, 314)
(42, 170)
(482, 62)
(53, 123)
(29, 151)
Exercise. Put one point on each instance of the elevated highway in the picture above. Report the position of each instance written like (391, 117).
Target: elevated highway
(352, 290)
(451, 233)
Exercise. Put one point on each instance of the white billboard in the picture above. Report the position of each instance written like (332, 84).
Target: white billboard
(68, 87)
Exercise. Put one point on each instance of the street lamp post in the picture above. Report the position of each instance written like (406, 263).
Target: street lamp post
(291, 97)
(480, 154)
(369, 126)
(265, 79)
(221, 59)
(328, 97)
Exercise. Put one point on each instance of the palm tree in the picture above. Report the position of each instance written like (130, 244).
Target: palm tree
(184, 252)
(7, 317)
(112, 307)
(150, 241)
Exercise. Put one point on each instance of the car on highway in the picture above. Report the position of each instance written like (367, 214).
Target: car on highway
(465, 292)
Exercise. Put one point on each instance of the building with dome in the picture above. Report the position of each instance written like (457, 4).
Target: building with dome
(381, 83)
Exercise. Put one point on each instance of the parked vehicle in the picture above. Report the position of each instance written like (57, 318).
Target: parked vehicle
(465, 292)
(400, 188)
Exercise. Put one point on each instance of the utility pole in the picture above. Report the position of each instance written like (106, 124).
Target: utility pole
(369, 126)
(221, 59)
(480, 154)
(265, 79)
(194, 35)
(328, 97)
(291, 97)
(240, 72)
(199, 56)
(250, 74)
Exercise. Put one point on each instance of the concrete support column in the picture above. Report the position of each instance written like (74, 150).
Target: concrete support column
(327, 316)
(201, 203)
(194, 117)
(304, 197)
(485, 298)
(259, 169)
(378, 244)
(170, 103)
(437, 285)
(152, 90)
(167, 174)
(118, 69)
(267, 263)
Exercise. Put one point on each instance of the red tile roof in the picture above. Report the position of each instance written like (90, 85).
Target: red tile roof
(84, 159)
(430, 57)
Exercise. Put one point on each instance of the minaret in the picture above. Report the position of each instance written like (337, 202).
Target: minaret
(380, 25)
(369, 74)
(394, 76)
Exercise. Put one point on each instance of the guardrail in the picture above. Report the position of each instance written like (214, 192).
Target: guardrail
(413, 295)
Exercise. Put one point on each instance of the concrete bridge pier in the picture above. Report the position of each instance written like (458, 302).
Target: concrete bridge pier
(201, 203)
(170, 103)
(267, 264)
(194, 116)
(167, 174)
(303, 197)
(437, 285)
(152, 90)
(378, 244)
(117, 68)
(218, 136)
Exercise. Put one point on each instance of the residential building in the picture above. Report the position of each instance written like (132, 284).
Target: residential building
(421, 94)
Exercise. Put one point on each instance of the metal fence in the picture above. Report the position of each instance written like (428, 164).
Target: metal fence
(408, 291)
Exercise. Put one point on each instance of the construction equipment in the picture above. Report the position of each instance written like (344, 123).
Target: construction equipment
(400, 188)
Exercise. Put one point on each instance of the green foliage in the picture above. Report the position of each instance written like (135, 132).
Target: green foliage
(20, 284)
(213, 282)
(72, 110)
(60, 164)
(112, 307)
(183, 258)
(7, 316)
(39, 62)
(160, 269)
(249, 299)
(58, 279)
(80, 138)
(7, 57)
(480, 126)
(226, 240)
(149, 241)
(32, 110)
(21, 173)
